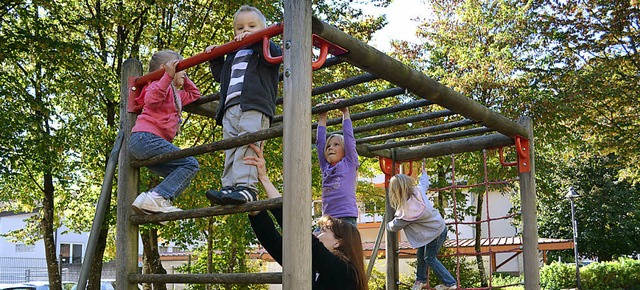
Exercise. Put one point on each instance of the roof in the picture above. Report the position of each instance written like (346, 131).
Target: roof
(466, 246)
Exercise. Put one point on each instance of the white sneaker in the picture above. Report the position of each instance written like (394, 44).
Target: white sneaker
(442, 287)
(418, 285)
(146, 203)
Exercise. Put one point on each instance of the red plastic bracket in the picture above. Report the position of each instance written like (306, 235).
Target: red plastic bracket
(524, 158)
(134, 92)
(387, 169)
(522, 150)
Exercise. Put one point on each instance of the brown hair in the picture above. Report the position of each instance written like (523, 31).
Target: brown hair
(401, 187)
(350, 247)
(161, 57)
(247, 8)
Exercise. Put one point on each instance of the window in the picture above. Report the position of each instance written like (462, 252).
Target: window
(23, 248)
(71, 253)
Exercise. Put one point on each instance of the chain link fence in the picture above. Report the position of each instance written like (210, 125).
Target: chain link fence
(20, 270)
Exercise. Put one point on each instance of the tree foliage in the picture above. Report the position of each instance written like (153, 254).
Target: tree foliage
(59, 81)
(607, 211)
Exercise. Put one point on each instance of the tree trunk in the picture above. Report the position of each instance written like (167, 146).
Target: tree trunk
(46, 225)
(152, 256)
(209, 250)
(478, 233)
(95, 274)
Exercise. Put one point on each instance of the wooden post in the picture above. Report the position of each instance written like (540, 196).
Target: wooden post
(529, 217)
(393, 275)
(297, 148)
(128, 181)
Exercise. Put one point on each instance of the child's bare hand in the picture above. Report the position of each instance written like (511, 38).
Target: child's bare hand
(241, 36)
(210, 48)
(170, 67)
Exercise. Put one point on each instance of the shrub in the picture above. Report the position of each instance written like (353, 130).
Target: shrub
(623, 274)
(558, 276)
(499, 279)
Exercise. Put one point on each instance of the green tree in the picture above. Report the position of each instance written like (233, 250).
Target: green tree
(60, 69)
(607, 212)
(476, 48)
(588, 68)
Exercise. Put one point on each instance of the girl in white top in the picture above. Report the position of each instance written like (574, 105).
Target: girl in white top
(423, 225)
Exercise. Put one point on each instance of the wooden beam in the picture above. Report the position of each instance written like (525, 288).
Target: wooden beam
(128, 181)
(450, 147)
(218, 278)
(296, 145)
(529, 216)
(378, 63)
(208, 211)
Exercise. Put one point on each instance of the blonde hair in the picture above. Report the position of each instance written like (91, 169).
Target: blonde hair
(247, 8)
(161, 57)
(350, 247)
(401, 188)
(340, 140)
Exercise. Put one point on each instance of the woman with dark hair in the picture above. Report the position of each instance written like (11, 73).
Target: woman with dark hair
(336, 258)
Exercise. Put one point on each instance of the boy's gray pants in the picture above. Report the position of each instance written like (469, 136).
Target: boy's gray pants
(237, 123)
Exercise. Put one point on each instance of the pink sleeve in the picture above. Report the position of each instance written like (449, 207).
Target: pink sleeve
(189, 92)
(156, 92)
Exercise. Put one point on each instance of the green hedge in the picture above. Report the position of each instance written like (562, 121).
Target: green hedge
(621, 274)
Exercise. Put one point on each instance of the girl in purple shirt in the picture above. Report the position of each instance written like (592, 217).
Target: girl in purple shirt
(339, 165)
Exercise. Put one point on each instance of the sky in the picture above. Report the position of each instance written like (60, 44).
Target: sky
(401, 24)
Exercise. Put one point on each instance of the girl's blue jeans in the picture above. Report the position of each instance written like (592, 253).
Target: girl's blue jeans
(177, 173)
(427, 256)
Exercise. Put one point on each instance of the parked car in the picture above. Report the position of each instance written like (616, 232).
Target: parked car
(44, 285)
(104, 285)
(16, 287)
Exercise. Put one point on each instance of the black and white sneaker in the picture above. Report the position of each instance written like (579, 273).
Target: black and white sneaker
(240, 195)
(215, 196)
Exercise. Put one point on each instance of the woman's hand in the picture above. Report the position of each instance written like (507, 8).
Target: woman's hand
(257, 161)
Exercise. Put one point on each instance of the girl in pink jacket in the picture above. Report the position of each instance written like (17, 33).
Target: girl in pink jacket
(155, 129)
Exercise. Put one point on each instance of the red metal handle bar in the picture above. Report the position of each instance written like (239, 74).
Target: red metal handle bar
(219, 51)
(521, 150)
(324, 50)
(266, 51)
(502, 159)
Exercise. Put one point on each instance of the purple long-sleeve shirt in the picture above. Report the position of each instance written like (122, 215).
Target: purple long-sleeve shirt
(339, 181)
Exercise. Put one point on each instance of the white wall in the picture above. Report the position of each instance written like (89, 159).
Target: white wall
(10, 223)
